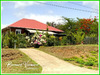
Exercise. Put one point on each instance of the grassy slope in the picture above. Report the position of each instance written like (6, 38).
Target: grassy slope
(82, 52)
(19, 60)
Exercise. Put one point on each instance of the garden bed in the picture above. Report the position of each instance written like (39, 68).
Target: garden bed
(81, 55)
(14, 61)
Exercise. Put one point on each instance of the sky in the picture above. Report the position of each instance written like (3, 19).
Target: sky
(13, 11)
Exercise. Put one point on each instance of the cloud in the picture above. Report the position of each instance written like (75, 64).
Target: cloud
(1, 8)
(22, 4)
(44, 18)
(20, 14)
(50, 12)
(41, 18)
(4, 25)
(93, 4)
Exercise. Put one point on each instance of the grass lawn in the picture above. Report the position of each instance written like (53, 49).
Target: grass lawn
(81, 55)
(14, 61)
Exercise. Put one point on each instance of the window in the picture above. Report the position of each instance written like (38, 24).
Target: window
(18, 31)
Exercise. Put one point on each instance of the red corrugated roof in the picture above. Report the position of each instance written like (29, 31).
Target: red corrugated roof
(33, 24)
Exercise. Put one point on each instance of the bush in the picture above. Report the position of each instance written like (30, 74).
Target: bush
(81, 65)
(57, 42)
(64, 40)
(82, 56)
(69, 59)
(89, 67)
(80, 61)
(95, 64)
(38, 38)
(93, 52)
(91, 61)
(79, 36)
(51, 41)
(9, 39)
(21, 41)
(5, 40)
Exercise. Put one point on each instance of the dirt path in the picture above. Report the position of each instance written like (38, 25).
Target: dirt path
(51, 64)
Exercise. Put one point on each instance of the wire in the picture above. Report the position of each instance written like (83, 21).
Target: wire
(67, 7)
(82, 5)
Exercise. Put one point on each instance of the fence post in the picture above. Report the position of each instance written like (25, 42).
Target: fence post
(14, 44)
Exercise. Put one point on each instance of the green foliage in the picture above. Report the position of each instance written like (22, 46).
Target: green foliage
(76, 59)
(94, 27)
(5, 40)
(9, 38)
(92, 35)
(51, 40)
(82, 56)
(81, 65)
(91, 61)
(93, 52)
(87, 55)
(69, 59)
(89, 67)
(21, 41)
(79, 60)
(68, 27)
(79, 36)
(64, 41)
(88, 26)
(12, 37)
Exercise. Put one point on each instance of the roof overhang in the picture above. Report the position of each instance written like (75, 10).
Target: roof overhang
(37, 29)
(34, 31)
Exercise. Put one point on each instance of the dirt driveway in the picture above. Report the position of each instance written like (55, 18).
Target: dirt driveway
(51, 64)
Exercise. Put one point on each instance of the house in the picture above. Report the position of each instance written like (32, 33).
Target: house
(30, 26)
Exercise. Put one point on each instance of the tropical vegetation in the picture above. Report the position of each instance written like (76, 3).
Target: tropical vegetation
(80, 31)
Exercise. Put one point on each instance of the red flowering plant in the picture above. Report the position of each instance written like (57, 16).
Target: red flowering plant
(85, 24)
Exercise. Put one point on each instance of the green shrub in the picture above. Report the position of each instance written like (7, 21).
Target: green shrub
(21, 41)
(92, 59)
(82, 56)
(80, 61)
(89, 63)
(89, 67)
(69, 59)
(9, 38)
(53, 41)
(75, 57)
(79, 36)
(81, 65)
(87, 55)
(5, 40)
(64, 40)
(50, 42)
(93, 52)
(57, 42)
(96, 64)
